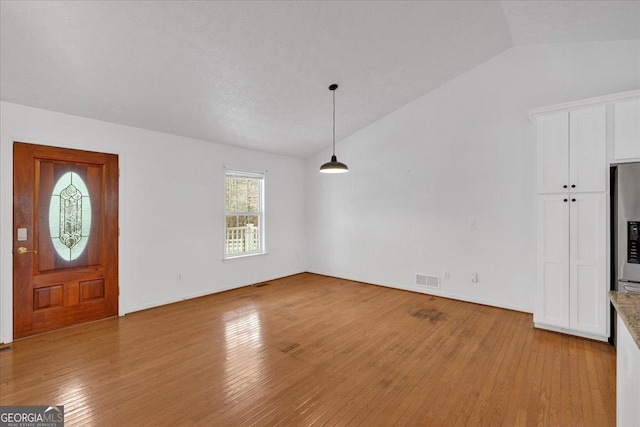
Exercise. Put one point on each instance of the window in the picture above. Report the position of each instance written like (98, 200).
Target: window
(70, 216)
(244, 205)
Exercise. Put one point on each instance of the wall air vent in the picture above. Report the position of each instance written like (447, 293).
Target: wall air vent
(424, 281)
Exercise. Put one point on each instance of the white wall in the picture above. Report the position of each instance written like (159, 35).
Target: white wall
(465, 151)
(171, 208)
(462, 152)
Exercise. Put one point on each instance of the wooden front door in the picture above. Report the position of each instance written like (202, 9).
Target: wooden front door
(65, 241)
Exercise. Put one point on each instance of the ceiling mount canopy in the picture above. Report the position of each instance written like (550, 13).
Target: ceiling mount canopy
(334, 166)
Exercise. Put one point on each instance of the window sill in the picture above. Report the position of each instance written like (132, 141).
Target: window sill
(243, 256)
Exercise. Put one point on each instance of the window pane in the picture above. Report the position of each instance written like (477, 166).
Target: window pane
(243, 194)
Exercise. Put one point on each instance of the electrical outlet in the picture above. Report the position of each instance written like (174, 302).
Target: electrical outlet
(474, 278)
(447, 274)
(179, 277)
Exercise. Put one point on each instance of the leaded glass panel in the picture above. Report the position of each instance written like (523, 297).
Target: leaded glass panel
(70, 216)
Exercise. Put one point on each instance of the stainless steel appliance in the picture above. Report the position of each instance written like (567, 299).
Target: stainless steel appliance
(625, 232)
(627, 227)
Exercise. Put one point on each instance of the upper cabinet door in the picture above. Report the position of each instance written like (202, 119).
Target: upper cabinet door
(588, 150)
(627, 130)
(553, 152)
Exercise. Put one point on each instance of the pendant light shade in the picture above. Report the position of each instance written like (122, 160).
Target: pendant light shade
(334, 166)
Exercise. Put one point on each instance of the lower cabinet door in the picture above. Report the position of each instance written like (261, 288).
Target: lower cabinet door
(587, 271)
(552, 293)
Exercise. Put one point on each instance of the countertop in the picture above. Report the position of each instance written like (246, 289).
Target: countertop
(628, 307)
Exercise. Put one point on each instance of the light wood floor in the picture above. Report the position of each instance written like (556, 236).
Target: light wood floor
(313, 350)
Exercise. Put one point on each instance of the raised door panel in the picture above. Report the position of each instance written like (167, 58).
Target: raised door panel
(588, 149)
(552, 292)
(627, 130)
(553, 152)
(587, 277)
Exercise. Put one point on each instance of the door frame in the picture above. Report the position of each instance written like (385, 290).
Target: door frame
(6, 222)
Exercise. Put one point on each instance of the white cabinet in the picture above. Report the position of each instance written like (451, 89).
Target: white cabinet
(626, 139)
(571, 263)
(588, 283)
(588, 149)
(572, 150)
(553, 152)
(576, 142)
(627, 378)
(552, 293)
(571, 293)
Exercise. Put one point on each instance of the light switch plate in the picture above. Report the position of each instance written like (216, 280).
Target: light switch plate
(22, 234)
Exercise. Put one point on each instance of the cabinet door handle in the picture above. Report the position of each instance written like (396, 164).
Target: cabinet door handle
(573, 200)
(564, 186)
(573, 186)
(565, 200)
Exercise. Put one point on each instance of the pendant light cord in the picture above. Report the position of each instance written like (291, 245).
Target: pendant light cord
(334, 166)
(334, 122)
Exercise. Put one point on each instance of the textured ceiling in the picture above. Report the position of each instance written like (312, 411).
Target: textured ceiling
(572, 21)
(255, 74)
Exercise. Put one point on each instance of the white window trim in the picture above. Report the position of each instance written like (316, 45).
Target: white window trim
(263, 247)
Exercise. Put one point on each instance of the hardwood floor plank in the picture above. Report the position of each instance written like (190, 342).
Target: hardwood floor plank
(490, 375)
(502, 396)
(314, 350)
(574, 372)
(516, 409)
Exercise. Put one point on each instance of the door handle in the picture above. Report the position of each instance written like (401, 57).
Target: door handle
(22, 250)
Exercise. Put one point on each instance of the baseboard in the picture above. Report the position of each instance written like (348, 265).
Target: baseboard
(434, 292)
(200, 294)
(570, 332)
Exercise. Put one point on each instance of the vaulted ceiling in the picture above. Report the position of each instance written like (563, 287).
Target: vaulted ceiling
(255, 74)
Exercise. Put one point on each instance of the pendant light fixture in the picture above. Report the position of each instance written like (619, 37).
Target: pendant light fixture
(334, 166)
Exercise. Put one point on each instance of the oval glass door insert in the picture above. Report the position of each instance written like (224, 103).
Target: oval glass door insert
(70, 216)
